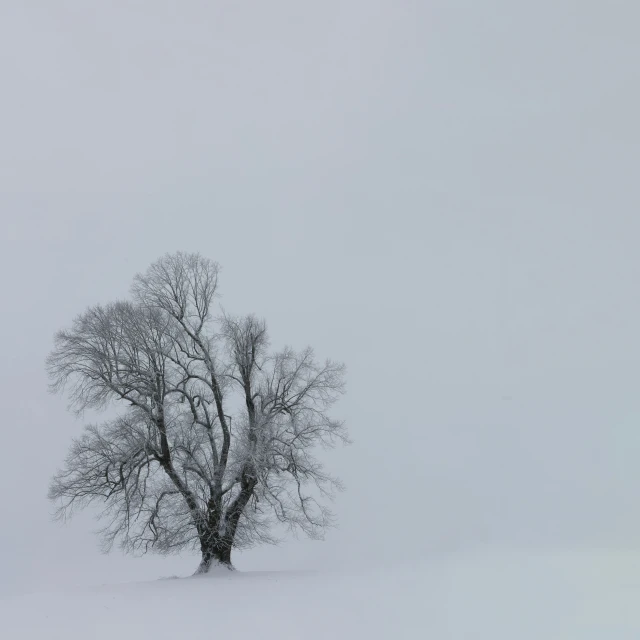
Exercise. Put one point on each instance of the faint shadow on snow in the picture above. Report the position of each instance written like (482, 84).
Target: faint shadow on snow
(235, 574)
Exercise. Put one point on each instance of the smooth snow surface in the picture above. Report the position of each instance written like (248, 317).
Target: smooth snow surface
(493, 597)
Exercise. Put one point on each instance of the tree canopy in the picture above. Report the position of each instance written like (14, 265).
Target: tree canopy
(217, 434)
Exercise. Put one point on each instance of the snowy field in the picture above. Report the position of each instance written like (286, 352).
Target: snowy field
(512, 596)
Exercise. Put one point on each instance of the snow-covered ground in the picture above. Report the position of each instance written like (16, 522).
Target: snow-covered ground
(505, 596)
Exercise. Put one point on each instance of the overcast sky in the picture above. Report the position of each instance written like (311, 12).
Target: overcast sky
(442, 194)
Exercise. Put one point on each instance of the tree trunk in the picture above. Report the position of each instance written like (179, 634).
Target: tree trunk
(216, 554)
(215, 548)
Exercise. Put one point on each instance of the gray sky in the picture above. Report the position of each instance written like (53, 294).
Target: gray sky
(442, 194)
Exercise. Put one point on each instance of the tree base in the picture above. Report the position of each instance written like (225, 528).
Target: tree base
(213, 567)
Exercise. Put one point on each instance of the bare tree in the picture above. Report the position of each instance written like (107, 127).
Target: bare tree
(217, 436)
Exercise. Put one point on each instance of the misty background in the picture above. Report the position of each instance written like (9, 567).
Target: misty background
(441, 194)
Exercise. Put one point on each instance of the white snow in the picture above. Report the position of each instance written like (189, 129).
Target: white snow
(505, 596)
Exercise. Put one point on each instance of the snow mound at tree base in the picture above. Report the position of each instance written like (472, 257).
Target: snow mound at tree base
(505, 596)
(216, 570)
